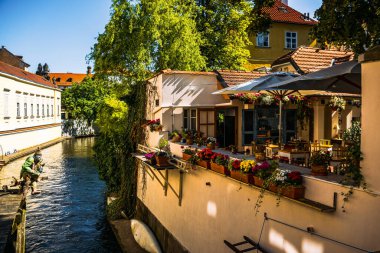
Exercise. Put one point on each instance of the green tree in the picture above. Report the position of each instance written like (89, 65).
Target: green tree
(223, 26)
(82, 101)
(143, 37)
(354, 24)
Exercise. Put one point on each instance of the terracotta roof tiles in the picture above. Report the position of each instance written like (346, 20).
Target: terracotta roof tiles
(25, 75)
(234, 77)
(67, 79)
(310, 59)
(283, 13)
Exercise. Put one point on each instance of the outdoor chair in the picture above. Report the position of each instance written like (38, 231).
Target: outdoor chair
(339, 158)
(324, 142)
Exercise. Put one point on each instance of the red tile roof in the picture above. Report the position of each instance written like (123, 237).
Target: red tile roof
(25, 75)
(311, 59)
(63, 79)
(234, 77)
(170, 71)
(283, 13)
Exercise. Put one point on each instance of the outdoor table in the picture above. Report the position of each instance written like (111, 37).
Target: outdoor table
(292, 155)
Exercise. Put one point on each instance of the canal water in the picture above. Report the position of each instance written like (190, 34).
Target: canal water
(69, 214)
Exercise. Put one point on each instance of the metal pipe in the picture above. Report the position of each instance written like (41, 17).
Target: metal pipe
(313, 233)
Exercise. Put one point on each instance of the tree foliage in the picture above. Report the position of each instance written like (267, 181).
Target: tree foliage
(354, 24)
(223, 26)
(82, 100)
(146, 36)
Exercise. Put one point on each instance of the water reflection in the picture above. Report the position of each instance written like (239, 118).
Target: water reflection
(69, 214)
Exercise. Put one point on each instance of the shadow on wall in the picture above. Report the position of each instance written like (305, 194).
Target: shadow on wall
(189, 90)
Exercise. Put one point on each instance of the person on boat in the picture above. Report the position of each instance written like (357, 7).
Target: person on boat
(30, 171)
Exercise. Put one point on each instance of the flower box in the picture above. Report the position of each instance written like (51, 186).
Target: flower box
(186, 156)
(220, 169)
(258, 181)
(293, 192)
(243, 177)
(204, 163)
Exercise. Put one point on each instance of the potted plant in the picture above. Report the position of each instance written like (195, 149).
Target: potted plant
(189, 135)
(287, 183)
(337, 103)
(187, 153)
(232, 148)
(150, 158)
(154, 125)
(319, 163)
(263, 171)
(243, 173)
(199, 139)
(175, 136)
(234, 167)
(219, 163)
(205, 157)
(162, 156)
(211, 141)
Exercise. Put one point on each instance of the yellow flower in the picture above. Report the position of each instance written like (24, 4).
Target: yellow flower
(247, 165)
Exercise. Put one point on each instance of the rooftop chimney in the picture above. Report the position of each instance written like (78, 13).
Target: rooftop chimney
(284, 2)
(88, 70)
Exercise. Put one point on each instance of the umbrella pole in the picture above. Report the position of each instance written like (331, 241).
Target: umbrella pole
(280, 126)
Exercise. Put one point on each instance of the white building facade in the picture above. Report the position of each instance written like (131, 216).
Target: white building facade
(29, 109)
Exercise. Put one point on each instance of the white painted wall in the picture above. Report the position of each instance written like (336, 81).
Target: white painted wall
(225, 210)
(190, 90)
(12, 142)
(14, 90)
(22, 92)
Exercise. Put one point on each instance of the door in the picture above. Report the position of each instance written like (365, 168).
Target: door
(226, 127)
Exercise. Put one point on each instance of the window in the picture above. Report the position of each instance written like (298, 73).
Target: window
(207, 122)
(47, 110)
(38, 110)
(291, 40)
(43, 110)
(31, 109)
(262, 39)
(58, 112)
(190, 119)
(6, 105)
(52, 112)
(25, 109)
(18, 110)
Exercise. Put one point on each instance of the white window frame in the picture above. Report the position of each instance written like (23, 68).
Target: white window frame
(291, 38)
(189, 117)
(25, 109)
(18, 109)
(262, 34)
(6, 103)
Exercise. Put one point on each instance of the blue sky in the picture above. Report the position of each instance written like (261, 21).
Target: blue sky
(62, 32)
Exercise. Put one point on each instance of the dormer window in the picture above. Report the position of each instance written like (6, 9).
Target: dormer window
(69, 80)
(58, 79)
(283, 9)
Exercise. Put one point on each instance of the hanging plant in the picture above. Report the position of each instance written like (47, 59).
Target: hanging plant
(337, 103)
(304, 111)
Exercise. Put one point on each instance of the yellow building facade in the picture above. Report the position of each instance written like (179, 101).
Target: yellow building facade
(289, 30)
